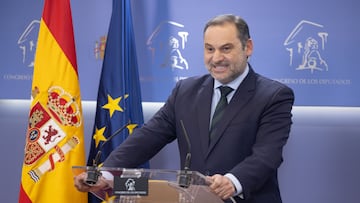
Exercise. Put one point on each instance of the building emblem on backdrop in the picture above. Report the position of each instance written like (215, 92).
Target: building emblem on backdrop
(306, 44)
(27, 43)
(166, 44)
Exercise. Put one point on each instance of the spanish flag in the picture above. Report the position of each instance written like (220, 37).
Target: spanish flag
(55, 134)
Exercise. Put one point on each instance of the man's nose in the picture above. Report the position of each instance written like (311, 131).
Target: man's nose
(218, 56)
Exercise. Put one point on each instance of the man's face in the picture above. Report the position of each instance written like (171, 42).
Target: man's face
(224, 55)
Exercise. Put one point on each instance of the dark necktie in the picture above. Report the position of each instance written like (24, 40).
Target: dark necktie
(219, 110)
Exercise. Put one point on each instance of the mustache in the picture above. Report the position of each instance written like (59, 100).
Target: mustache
(222, 63)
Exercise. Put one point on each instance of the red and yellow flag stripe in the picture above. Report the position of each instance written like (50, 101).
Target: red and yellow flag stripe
(55, 135)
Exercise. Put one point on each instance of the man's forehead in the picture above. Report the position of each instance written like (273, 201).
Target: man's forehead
(221, 31)
(221, 38)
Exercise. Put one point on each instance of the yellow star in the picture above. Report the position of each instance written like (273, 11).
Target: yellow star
(99, 136)
(108, 199)
(113, 105)
(131, 128)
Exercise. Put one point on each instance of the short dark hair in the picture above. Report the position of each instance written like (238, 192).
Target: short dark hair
(241, 25)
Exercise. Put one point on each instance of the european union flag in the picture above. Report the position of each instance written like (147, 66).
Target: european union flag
(119, 96)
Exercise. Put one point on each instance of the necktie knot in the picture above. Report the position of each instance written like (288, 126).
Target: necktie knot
(225, 90)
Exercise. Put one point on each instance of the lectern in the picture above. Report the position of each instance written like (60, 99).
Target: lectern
(153, 186)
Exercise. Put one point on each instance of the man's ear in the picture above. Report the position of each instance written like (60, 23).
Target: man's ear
(249, 47)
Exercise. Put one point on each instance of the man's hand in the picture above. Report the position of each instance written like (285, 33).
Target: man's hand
(79, 183)
(221, 186)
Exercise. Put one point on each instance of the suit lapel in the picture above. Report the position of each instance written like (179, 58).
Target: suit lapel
(204, 98)
(241, 97)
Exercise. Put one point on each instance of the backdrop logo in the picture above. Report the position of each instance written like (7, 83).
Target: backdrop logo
(167, 43)
(306, 43)
(27, 43)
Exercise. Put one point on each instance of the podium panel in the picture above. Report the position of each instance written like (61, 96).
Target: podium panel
(152, 185)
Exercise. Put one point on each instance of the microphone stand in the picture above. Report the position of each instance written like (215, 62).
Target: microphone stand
(185, 177)
(93, 172)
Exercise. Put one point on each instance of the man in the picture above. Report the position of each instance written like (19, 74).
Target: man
(241, 153)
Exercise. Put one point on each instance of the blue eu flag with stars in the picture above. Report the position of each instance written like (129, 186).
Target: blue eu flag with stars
(119, 95)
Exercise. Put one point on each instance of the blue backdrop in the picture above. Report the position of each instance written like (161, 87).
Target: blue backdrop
(309, 45)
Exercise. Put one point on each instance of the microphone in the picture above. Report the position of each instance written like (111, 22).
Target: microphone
(185, 176)
(93, 172)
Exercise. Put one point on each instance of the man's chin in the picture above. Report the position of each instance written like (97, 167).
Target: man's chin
(221, 78)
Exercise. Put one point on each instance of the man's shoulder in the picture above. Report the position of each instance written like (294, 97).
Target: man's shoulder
(267, 82)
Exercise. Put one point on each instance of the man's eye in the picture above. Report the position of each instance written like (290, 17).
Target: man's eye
(209, 49)
(226, 49)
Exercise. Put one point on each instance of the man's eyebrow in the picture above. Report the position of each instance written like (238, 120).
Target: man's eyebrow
(227, 44)
(224, 45)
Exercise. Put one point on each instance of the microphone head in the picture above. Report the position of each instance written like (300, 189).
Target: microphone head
(185, 178)
(92, 176)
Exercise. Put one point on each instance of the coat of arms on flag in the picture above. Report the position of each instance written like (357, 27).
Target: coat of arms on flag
(45, 133)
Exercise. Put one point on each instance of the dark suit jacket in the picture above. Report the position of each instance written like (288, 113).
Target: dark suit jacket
(249, 142)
